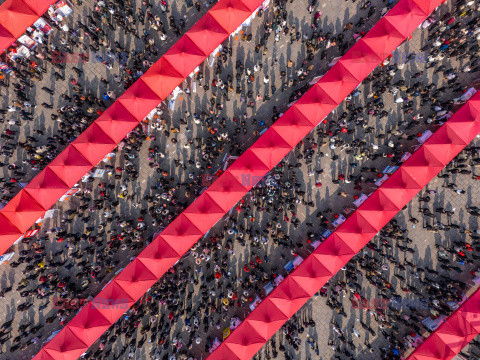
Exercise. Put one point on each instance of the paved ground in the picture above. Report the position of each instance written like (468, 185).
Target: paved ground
(334, 17)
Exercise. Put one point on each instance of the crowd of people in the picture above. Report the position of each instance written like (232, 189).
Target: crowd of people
(221, 275)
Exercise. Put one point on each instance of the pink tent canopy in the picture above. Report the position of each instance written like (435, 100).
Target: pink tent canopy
(293, 292)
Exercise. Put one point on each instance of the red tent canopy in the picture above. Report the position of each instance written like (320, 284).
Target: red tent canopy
(9, 235)
(181, 234)
(112, 302)
(136, 279)
(360, 60)
(361, 225)
(185, 56)
(226, 191)
(117, 121)
(66, 345)
(293, 126)
(39, 7)
(271, 148)
(6, 38)
(457, 332)
(383, 38)
(465, 127)
(23, 210)
(139, 99)
(339, 82)
(94, 143)
(204, 212)
(401, 184)
(252, 5)
(249, 169)
(406, 17)
(267, 319)
(334, 254)
(207, 33)
(379, 201)
(70, 165)
(223, 353)
(289, 297)
(311, 275)
(436, 348)
(43, 355)
(162, 78)
(315, 105)
(458, 134)
(244, 344)
(427, 5)
(89, 324)
(230, 13)
(16, 16)
(46, 188)
(470, 310)
(159, 256)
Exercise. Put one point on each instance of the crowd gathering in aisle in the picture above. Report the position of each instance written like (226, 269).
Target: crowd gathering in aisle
(110, 220)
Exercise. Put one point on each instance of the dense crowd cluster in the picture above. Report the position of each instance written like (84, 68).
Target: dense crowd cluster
(110, 220)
